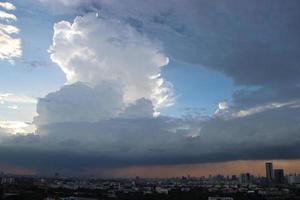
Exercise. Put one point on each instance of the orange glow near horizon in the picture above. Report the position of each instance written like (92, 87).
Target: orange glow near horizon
(255, 167)
(11, 169)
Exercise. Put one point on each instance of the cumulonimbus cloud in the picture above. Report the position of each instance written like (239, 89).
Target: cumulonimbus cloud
(107, 119)
(94, 48)
(240, 39)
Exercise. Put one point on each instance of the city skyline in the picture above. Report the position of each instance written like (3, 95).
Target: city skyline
(149, 88)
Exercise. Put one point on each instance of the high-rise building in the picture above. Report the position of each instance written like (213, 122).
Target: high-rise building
(269, 172)
(279, 176)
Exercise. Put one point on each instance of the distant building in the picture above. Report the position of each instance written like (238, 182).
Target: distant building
(294, 180)
(245, 178)
(279, 176)
(160, 190)
(269, 172)
(7, 180)
(234, 178)
(220, 198)
(75, 198)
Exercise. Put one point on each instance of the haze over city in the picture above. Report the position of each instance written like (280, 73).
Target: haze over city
(149, 88)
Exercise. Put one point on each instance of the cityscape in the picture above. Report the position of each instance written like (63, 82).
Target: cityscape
(274, 185)
(149, 99)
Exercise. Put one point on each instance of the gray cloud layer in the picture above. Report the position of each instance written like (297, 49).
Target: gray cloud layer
(272, 134)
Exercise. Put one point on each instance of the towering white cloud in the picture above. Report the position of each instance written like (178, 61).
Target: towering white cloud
(93, 49)
(10, 46)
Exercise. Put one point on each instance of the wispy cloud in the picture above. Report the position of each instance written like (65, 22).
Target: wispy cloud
(10, 45)
(7, 5)
(13, 98)
(264, 108)
(7, 16)
(13, 107)
(16, 127)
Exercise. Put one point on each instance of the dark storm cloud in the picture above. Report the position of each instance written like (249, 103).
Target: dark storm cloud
(262, 95)
(254, 42)
(272, 134)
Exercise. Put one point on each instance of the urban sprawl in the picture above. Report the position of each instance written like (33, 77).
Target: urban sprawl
(274, 185)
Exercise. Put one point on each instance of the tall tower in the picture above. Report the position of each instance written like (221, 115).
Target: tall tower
(279, 176)
(269, 172)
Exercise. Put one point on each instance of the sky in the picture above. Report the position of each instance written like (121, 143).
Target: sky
(125, 87)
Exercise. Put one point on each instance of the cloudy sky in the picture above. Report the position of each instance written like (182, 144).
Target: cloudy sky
(144, 87)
